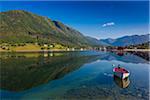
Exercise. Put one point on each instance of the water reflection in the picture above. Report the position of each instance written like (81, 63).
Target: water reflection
(32, 55)
(72, 75)
(126, 57)
(145, 54)
(24, 72)
(120, 53)
(123, 83)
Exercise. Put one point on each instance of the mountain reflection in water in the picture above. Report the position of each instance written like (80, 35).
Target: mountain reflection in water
(82, 75)
(24, 72)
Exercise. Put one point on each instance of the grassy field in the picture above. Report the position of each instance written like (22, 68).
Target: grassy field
(32, 47)
(26, 47)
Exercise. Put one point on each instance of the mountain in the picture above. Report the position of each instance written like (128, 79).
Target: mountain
(145, 45)
(96, 42)
(127, 40)
(19, 26)
(93, 41)
(22, 26)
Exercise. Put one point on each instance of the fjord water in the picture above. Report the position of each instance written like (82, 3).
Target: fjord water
(72, 76)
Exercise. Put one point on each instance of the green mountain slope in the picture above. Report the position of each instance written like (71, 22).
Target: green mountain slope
(19, 26)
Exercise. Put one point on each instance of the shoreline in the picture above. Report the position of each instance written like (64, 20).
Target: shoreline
(141, 50)
(134, 50)
(57, 50)
(39, 51)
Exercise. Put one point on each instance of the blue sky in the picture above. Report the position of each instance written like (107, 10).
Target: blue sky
(98, 19)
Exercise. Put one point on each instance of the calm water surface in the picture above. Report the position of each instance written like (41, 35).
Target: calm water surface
(72, 76)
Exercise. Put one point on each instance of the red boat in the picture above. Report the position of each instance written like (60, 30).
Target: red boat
(121, 72)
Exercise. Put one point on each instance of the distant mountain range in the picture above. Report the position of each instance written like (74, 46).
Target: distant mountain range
(122, 41)
(127, 40)
(19, 26)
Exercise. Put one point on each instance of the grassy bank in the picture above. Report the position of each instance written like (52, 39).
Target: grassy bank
(35, 48)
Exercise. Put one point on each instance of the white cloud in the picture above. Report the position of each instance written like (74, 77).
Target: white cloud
(108, 24)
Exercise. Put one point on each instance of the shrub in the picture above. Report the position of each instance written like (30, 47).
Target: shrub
(42, 48)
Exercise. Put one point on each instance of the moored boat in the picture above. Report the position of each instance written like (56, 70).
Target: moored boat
(121, 72)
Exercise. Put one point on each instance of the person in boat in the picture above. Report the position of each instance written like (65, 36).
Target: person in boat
(119, 66)
(122, 69)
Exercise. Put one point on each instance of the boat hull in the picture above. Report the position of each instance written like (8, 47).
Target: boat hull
(121, 75)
